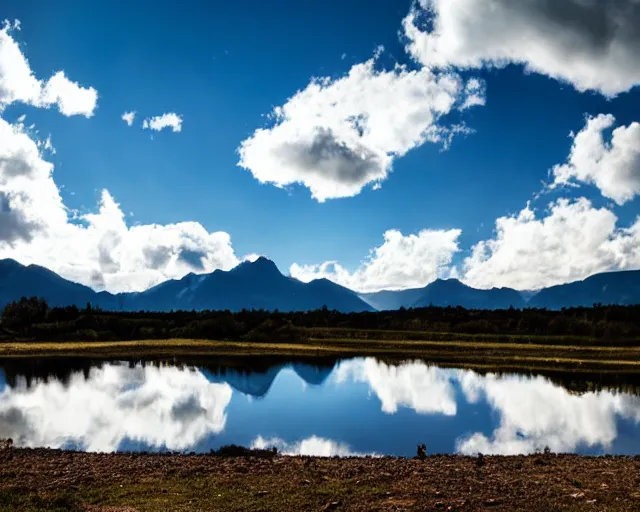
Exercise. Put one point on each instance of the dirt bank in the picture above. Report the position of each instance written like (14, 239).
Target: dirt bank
(57, 480)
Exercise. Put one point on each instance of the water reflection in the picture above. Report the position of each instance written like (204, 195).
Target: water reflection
(312, 446)
(163, 407)
(425, 389)
(328, 407)
(534, 413)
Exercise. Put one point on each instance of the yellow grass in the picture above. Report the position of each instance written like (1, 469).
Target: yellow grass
(459, 353)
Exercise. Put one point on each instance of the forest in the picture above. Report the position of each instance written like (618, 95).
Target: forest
(31, 319)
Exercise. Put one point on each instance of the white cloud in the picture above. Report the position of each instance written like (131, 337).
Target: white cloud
(591, 44)
(128, 117)
(166, 120)
(613, 167)
(252, 257)
(18, 83)
(313, 446)
(400, 262)
(97, 249)
(573, 241)
(535, 413)
(338, 135)
(161, 407)
(425, 389)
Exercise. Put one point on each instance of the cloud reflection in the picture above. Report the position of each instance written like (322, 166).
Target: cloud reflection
(535, 413)
(532, 412)
(313, 446)
(118, 406)
(160, 407)
(425, 389)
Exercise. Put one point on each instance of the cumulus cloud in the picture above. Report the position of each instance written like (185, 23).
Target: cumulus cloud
(167, 120)
(13, 223)
(572, 241)
(338, 135)
(163, 407)
(613, 167)
(128, 117)
(98, 249)
(425, 389)
(589, 43)
(313, 446)
(19, 84)
(402, 261)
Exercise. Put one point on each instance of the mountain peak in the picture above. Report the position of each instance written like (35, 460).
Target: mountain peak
(451, 281)
(262, 265)
(10, 263)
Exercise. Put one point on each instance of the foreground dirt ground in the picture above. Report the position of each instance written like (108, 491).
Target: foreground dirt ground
(56, 480)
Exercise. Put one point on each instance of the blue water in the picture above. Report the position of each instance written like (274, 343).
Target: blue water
(348, 407)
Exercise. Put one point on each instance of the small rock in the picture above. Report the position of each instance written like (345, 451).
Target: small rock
(577, 495)
(330, 506)
(262, 493)
(492, 502)
(305, 482)
(439, 504)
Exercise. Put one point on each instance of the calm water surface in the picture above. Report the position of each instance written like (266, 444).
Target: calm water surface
(347, 407)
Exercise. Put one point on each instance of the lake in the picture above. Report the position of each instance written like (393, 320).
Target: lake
(312, 407)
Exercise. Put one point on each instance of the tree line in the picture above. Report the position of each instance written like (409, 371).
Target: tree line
(33, 319)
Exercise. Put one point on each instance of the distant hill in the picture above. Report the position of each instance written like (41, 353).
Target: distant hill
(446, 292)
(257, 285)
(17, 280)
(621, 288)
(388, 299)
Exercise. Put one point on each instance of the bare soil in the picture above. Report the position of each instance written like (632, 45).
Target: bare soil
(40, 479)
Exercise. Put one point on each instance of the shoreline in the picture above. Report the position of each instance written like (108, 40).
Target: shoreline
(483, 356)
(41, 479)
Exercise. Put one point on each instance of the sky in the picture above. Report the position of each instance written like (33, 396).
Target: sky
(380, 144)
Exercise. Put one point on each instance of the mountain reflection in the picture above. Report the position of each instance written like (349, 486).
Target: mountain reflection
(257, 381)
(200, 405)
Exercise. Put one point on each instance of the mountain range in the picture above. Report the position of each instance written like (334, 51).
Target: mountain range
(446, 292)
(250, 285)
(260, 285)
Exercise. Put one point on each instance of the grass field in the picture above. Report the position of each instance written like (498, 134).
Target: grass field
(471, 354)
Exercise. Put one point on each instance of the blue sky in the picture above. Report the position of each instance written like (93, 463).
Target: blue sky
(223, 68)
